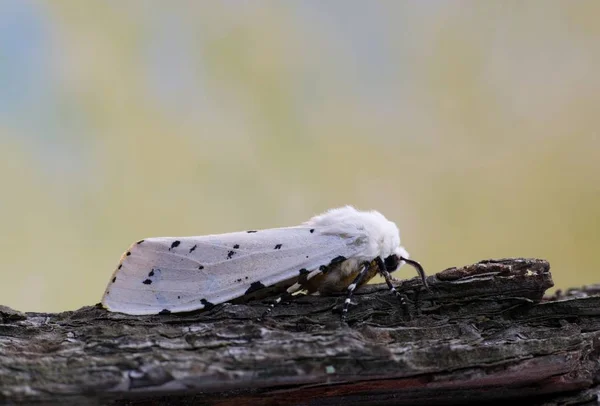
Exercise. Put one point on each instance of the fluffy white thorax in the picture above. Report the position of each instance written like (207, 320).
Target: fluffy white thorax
(379, 236)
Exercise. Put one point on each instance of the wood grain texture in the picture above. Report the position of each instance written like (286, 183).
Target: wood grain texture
(485, 334)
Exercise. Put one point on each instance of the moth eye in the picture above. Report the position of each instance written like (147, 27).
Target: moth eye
(391, 263)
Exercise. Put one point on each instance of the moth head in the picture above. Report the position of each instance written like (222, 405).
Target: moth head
(399, 258)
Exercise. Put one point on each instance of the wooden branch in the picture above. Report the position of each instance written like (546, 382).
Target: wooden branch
(485, 334)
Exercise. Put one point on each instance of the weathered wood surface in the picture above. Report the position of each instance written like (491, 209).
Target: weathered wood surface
(485, 334)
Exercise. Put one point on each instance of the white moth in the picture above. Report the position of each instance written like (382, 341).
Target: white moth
(336, 251)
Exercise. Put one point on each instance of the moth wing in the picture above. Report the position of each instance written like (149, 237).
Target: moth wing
(179, 274)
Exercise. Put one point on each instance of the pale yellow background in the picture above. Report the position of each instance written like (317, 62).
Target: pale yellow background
(475, 126)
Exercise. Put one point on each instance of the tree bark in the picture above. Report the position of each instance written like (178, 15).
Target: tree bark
(484, 333)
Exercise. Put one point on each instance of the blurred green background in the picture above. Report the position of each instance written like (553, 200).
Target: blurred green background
(473, 125)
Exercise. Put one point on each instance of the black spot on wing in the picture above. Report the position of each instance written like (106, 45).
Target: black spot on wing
(207, 305)
(278, 246)
(323, 268)
(128, 253)
(337, 260)
(165, 311)
(139, 242)
(201, 267)
(151, 273)
(193, 248)
(175, 244)
(312, 230)
(238, 280)
(230, 254)
(236, 246)
(303, 271)
(120, 265)
(178, 297)
(147, 282)
(251, 231)
(254, 287)
(114, 279)
(246, 277)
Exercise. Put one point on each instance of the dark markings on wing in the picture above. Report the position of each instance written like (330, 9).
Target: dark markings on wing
(337, 260)
(114, 279)
(151, 273)
(230, 254)
(201, 267)
(139, 242)
(207, 305)
(236, 246)
(128, 253)
(312, 230)
(147, 282)
(303, 271)
(278, 246)
(165, 311)
(175, 244)
(193, 248)
(323, 268)
(254, 287)
(120, 265)
(251, 231)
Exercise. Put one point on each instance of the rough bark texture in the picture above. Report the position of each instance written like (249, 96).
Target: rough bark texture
(484, 334)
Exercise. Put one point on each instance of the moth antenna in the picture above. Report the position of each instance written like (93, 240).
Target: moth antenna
(419, 269)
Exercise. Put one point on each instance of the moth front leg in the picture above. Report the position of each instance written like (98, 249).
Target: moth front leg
(388, 280)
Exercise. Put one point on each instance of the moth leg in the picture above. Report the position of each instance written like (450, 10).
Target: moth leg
(388, 280)
(314, 273)
(284, 297)
(266, 313)
(352, 287)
